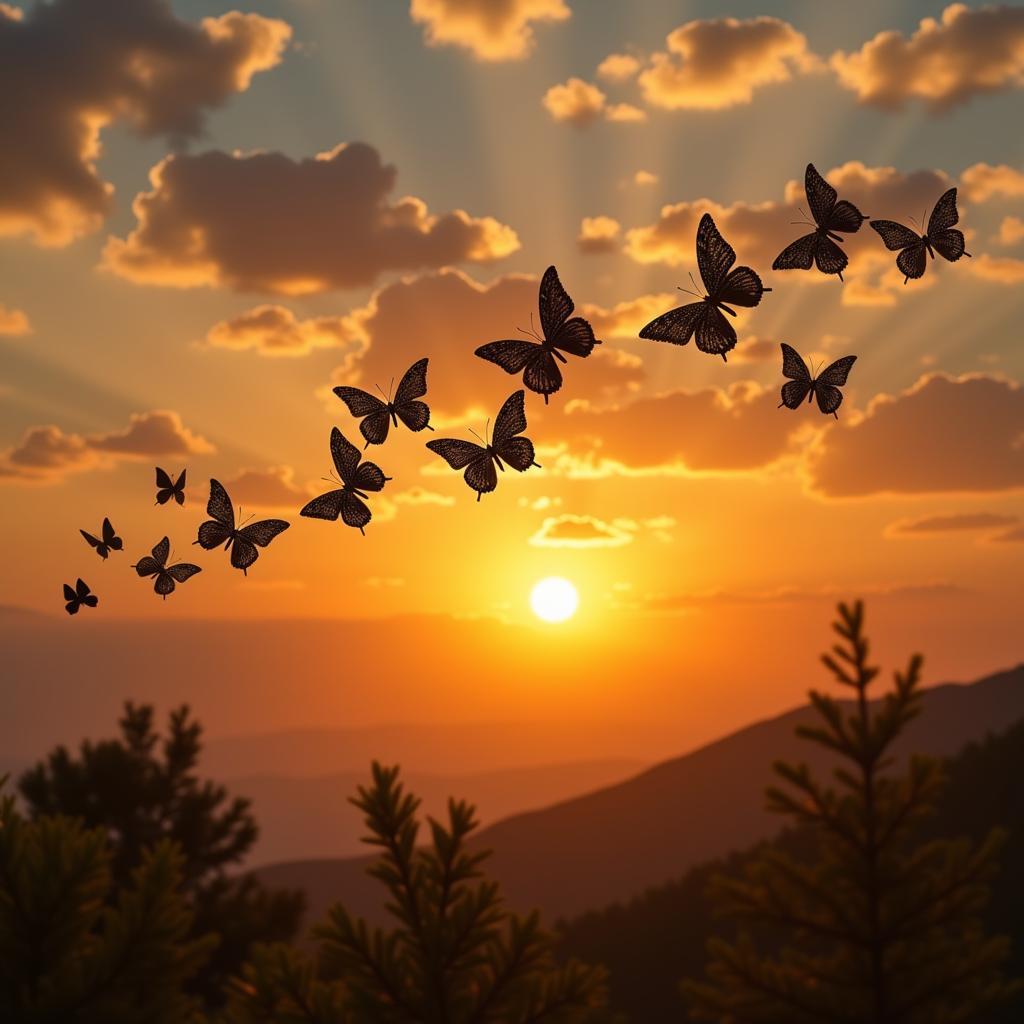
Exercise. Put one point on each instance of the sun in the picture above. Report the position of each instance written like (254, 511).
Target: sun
(554, 599)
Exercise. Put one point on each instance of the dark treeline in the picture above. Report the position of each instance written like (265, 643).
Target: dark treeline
(889, 898)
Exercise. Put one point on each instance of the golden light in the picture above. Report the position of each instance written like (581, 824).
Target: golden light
(554, 599)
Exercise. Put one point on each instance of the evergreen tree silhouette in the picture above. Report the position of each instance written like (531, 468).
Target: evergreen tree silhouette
(455, 956)
(141, 789)
(77, 947)
(876, 927)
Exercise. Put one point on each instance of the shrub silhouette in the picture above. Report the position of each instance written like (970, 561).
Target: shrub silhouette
(141, 790)
(455, 956)
(877, 927)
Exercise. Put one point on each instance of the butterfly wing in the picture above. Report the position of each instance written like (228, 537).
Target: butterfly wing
(576, 337)
(512, 354)
(183, 571)
(414, 414)
(829, 258)
(165, 486)
(101, 548)
(263, 532)
(715, 335)
(164, 583)
(511, 418)
(555, 305)
(219, 507)
(326, 506)
(161, 551)
(179, 488)
(83, 595)
(376, 420)
(110, 538)
(542, 374)
(458, 454)
(944, 215)
(799, 255)
(795, 391)
(518, 452)
(147, 566)
(345, 455)
(354, 511)
(71, 600)
(481, 474)
(845, 217)
(742, 287)
(896, 236)
(369, 477)
(676, 326)
(950, 244)
(912, 261)
(828, 383)
(821, 196)
(714, 255)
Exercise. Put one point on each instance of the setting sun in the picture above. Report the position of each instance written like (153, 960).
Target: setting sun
(554, 599)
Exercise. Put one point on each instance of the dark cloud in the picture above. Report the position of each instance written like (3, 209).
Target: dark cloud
(955, 522)
(266, 222)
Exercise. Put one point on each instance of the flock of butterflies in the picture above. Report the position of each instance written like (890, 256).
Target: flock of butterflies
(538, 362)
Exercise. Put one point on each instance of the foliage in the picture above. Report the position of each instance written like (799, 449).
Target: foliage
(879, 927)
(77, 947)
(455, 956)
(142, 791)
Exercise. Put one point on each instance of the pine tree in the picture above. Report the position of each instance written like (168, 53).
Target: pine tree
(141, 789)
(76, 948)
(876, 928)
(455, 956)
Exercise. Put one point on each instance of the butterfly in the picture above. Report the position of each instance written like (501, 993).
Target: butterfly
(356, 479)
(77, 596)
(819, 246)
(220, 529)
(536, 359)
(825, 387)
(167, 490)
(166, 575)
(740, 287)
(110, 542)
(941, 237)
(378, 416)
(479, 461)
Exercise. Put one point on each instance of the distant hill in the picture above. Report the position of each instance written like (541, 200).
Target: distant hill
(651, 943)
(614, 843)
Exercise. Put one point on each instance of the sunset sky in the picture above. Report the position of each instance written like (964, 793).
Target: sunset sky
(210, 214)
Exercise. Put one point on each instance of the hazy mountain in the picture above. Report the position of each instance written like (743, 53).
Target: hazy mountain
(612, 844)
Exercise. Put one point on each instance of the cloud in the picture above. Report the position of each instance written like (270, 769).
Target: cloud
(276, 331)
(982, 182)
(618, 67)
(69, 70)
(943, 435)
(273, 487)
(571, 531)
(492, 30)
(46, 453)
(624, 113)
(947, 61)
(642, 178)
(755, 350)
(598, 234)
(421, 496)
(208, 218)
(739, 429)
(1001, 269)
(575, 101)
(955, 522)
(710, 65)
(1011, 231)
(1012, 536)
(445, 316)
(14, 322)
(625, 319)
(759, 231)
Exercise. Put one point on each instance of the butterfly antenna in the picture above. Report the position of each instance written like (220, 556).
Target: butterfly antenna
(688, 291)
(391, 389)
(487, 431)
(477, 436)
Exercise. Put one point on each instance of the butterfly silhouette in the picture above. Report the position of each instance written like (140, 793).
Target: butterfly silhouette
(110, 542)
(825, 387)
(536, 359)
(356, 479)
(819, 246)
(166, 575)
(738, 287)
(479, 461)
(941, 237)
(378, 416)
(220, 529)
(77, 596)
(167, 490)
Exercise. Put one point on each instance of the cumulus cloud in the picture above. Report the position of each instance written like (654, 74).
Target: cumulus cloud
(624, 113)
(445, 316)
(645, 178)
(277, 331)
(618, 67)
(625, 319)
(953, 523)
(737, 429)
(1001, 269)
(943, 435)
(947, 61)
(46, 453)
(492, 30)
(755, 350)
(14, 322)
(1011, 231)
(273, 487)
(981, 182)
(576, 101)
(208, 218)
(571, 531)
(75, 68)
(598, 234)
(713, 64)
(759, 231)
